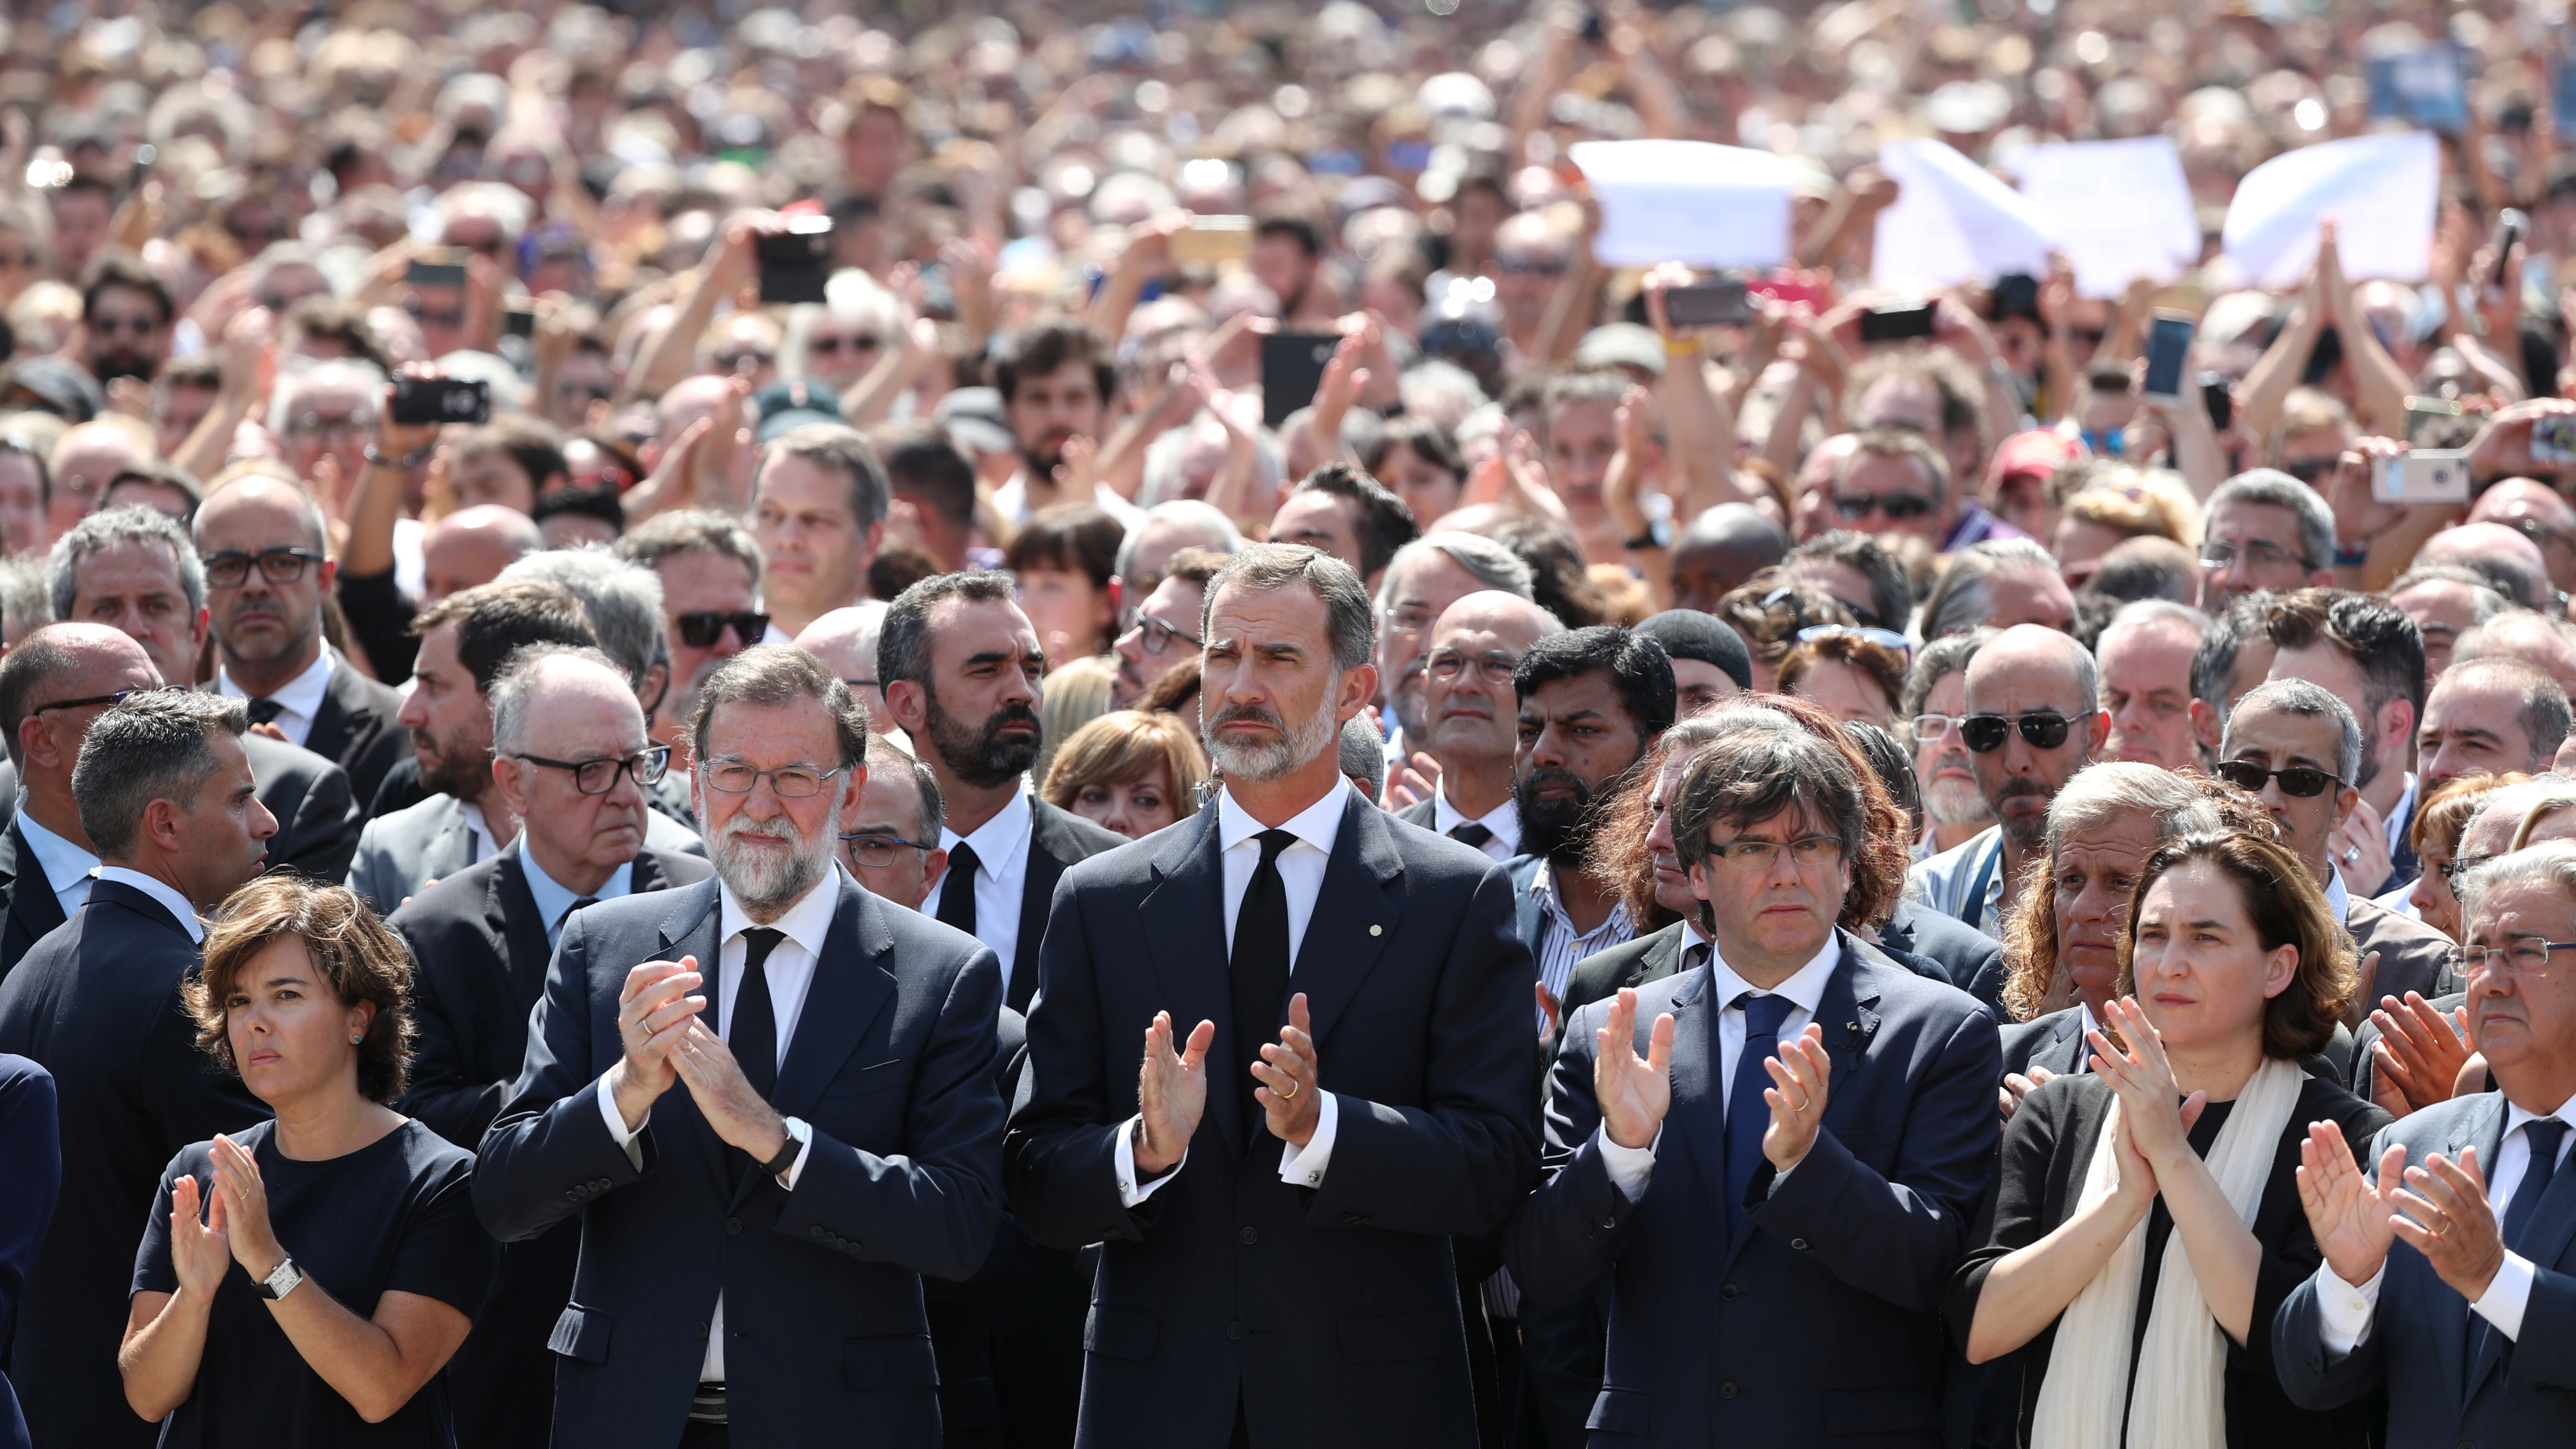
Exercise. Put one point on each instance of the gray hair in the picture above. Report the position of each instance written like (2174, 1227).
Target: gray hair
(1494, 566)
(23, 600)
(99, 532)
(1937, 660)
(2522, 801)
(2478, 641)
(1219, 531)
(2146, 612)
(2118, 789)
(623, 600)
(2550, 865)
(2485, 601)
(1349, 622)
(691, 530)
(1364, 755)
(154, 746)
(2299, 697)
(1961, 600)
(516, 690)
(2275, 489)
(844, 450)
(776, 674)
(885, 756)
(363, 376)
(2545, 716)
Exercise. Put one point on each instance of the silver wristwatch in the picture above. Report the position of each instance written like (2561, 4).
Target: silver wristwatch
(281, 1280)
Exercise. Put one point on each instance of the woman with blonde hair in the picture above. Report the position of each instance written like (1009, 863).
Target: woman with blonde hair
(1132, 771)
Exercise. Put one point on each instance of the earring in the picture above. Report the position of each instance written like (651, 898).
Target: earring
(359, 1039)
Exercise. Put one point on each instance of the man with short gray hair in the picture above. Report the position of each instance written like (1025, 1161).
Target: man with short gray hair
(1424, 578)
(1166, 529)
(709, 566)
(2266, 531)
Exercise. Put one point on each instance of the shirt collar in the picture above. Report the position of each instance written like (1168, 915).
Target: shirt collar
(2338, 899)
(1805, 986)
(808, 923)
(555, 899)
(1543, 891)
(1504, 819)
(301, 695)
(1319, 824)
(63, 861)
(2515, 1116)
(161, 891)
(1000, 840)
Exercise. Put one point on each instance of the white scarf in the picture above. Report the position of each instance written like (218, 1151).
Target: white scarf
(2180, 1399)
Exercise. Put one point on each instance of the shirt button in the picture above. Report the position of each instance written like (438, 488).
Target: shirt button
(1798, 1244)
(1248, 1237)
(1608, 1223)
(733, 1226)
(1726, 1390)
(815, 1233)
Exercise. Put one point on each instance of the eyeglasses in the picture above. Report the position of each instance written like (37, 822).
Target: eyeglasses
(791, 782)
(2538, 532)
(701, 630)
(324, 425)
(1984, 733)
(1157, 636)
(2526, 955)
(735, 359)
(861, 683)
(1533, 266)
(598, 777)
(876, 852)
(1761, 855)
(2259, 553)
(1897, 506)
(231, 569)
(864, 342)
(1883, 638)
(137, 326)
(1447, 664)
(105, 699)
(2308, 470)
(490, 246)
(2456, 870)
(2304, 781)
(1930, 727)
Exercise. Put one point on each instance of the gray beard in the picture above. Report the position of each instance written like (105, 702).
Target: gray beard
(1956, 802)
(761, 879)
(1260, 763)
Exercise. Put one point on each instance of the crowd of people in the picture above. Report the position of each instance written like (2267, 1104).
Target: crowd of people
(690, 694)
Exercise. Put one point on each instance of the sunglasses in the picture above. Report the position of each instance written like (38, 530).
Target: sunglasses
(1533, 266)
(1984, 733)
(1897, 506)
(1883, 638)
(2306, 782)
(833, 345)
(701, 630)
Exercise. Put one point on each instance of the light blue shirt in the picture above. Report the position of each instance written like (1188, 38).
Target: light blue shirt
(170, 899)
(555, 900)
(66, 865)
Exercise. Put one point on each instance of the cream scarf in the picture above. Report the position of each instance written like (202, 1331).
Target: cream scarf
(2180, 1400)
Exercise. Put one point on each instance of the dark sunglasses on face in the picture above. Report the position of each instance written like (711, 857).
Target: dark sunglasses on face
(836, 345)
(2308, 470)
(2303, 781)
(1897, 506)
(1984, 733)
(702, 630)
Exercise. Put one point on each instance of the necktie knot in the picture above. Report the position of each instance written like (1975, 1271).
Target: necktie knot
(1471, 832)
(1273, 842)
(757, 943)
(265, 711)
(1763, 1015)
(2545, 1135)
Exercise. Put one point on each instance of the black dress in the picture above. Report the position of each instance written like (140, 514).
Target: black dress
(395, 1216)
(2047, 1149)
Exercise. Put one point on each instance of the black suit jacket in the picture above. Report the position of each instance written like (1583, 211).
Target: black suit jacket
(31, 908)
(2054, 1041)
(31, 1164)
(1825, 1320)
(355, 729)
(1651, 957)
(1972, 960)
(890, 1060)
(1330, 1313)
(97, 1003)
(1057, 838)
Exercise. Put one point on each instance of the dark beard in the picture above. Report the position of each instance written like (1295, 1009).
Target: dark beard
(114, 365)
(448, 775)
(1560, 830)
(981, 757)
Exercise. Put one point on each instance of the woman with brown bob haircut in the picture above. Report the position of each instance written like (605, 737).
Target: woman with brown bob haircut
(1129, 770)
(304, 1283)
(2162, 1186)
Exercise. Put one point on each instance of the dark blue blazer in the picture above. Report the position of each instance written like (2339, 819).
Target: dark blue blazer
(2518, 1392)
(1826, 1320)
(31, 1164)
(891, 1061)
(97, 1003)
(1329, 1314)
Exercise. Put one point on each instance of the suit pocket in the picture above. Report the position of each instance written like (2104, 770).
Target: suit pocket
(581, 1333)
(1395, 1337)
(896, 1361)
(1121, 1333)
(1880, 1411)
(1618, 1411)
(875, 1078)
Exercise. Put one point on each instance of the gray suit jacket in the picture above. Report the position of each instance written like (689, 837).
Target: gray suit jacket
(2412, 956)
(401, 853)
(2518, 1392)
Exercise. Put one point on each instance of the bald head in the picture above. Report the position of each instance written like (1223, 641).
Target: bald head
(2030, 675)
(471, 546)
(1474, 720)
(264, 505)
(1720, 550)
(55, 663)
(687, 401)
(1165, 530)
(846, 641)
(2526, 504)
(2498, 552)
(1509, 618)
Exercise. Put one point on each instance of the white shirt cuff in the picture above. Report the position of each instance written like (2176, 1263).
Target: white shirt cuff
(1631, 1168)
(1130, 1192)
(796, 1169)
(2344, 1311)
(2507, 1296)
(617, 1124)
(1305, 1166)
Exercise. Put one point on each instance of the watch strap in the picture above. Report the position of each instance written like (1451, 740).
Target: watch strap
(272, 1288)
(787, 1149)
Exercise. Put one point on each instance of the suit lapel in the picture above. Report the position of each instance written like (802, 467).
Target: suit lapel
(1184, 916)
(1529, 919)
(851, 986)
(1699, 1090)
(647, 876)
(1848, 1016)
(2483, 1130)
(334, 720)
(1355, 915)
(1037, 894)
(510, 910)
(34, 909)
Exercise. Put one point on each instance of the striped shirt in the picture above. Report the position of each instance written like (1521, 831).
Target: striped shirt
(1560, 945)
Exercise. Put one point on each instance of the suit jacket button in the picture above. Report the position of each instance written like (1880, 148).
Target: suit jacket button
(1608, 1223)
(1249, 1237)
(1726, 1390)
(733, 1226)
(815, 1232)
(1726, 1294)
(1234, 1330)
(1799, 1244)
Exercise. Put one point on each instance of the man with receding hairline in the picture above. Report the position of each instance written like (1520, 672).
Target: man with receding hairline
(471, 546)
(2492, 715)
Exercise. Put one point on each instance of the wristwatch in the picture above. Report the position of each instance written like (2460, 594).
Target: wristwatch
(281, 1280)
(798, 1134)
(1658, 534)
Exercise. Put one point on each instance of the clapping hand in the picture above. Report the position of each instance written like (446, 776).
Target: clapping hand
(2159, 1116)
(2418, 1055)
(1291, 1101)
(1634, 1092)
(1171, 1093)
(2443, 1213)
(243, 1200)
(653, 1011)
(2017, 1086)
(2349, 1214)
(741, 1116)
(1797, 1096)
(200, 1252)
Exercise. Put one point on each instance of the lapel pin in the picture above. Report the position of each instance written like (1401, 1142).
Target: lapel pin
(1377, 930)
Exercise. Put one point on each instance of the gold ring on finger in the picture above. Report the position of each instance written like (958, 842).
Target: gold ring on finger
(1290, 1090)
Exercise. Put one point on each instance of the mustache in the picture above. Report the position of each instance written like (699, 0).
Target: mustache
(2020, 785)
(1536, 778)
(1256, 713)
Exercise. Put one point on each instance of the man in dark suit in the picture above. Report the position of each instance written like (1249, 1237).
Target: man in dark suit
(52, 687)
(263, 542)
(1471, 719)
(570, 754)
(135, 570)
(2449, 1280)
(1276, 1265)
(751, 1246)
(1777, 1259)
(165, 794)
(31, 1162)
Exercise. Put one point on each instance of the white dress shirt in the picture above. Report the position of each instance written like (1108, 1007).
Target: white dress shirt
(789, 972)
(555, 899)
(160, 891)
(66, 865)
(299, 699)
(486, 844)
(2338, 895)
(1001, 875)
(1504, 820)
(1631, 1168)
(1301, 871)
(2344, 1310)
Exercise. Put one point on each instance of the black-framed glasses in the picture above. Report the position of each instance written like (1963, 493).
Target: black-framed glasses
(1760, 855)
(1447, 664)
(1157, 636)
(598, 777)
(2304, 781)
(2526, 955)
(876, 852)
(861, 683)
(2261, 553)
(1984, 733)
(791, 782)
(231, 568)
(702, 628)
(1899, 507)
(102, 699)
(2538, 532)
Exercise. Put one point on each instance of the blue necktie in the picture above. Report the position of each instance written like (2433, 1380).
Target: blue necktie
(1747, 1115)
(2544, 1134)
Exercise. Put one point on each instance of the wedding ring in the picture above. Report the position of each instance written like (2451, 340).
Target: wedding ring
(1288, 1091)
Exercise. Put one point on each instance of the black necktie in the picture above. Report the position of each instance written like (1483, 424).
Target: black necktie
(957, 893)
(1472, 832)
(265, 711)
(2544, 1136)
(754, 1037)
(1748, 1117)
(1260, 966)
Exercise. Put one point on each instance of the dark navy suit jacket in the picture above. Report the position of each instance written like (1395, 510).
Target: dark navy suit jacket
(31, 1164)
(1825, 1321)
